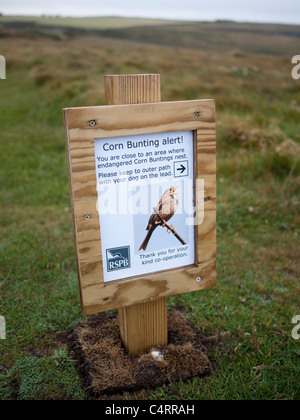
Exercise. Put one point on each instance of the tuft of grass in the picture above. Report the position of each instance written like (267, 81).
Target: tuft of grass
(283, 166)
(245, 133)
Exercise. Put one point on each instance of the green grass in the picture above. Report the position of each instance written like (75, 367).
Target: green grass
(40, 377)
(257, 296)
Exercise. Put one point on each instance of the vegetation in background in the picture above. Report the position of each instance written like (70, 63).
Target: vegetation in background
(275, 39)
(82, 23)
(258, 110)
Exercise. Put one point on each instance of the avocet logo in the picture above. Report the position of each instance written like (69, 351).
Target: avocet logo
(118, 258)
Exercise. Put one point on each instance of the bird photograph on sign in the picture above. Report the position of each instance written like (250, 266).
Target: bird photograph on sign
(163, 212)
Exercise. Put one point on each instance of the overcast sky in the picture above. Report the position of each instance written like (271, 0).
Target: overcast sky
(287, 11)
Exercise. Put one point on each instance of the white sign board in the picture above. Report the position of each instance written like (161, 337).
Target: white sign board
(143, 194)
(145, 186)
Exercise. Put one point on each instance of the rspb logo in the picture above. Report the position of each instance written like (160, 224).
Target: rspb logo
(118, 258)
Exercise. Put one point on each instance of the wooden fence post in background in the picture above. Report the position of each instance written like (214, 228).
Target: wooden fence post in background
(142, 325)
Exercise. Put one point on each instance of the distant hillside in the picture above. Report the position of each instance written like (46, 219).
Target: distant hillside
(218, 36)
(221, 36)
(110, 22)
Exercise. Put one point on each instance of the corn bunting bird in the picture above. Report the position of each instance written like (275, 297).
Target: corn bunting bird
(166, 208)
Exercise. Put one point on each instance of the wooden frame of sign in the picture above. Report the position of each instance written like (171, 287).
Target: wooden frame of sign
(83, 126)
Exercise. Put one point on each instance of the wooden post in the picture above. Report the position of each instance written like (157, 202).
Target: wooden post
(143, 325)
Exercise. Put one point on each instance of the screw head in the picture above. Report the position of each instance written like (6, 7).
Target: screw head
(198, 279)
(92, 123)
(87, 217)
(196, 114)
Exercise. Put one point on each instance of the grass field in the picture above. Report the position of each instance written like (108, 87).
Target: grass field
(251, 310)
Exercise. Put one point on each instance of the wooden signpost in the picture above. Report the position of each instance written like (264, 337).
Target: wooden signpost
(143, 192)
